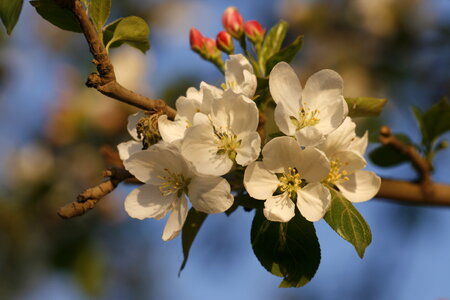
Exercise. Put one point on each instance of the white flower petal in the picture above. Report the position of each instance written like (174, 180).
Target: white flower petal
(128, 148)
(309, 136)
(210, 92)
(340, 139)
(239, 75)
(132, 122)
(332, 115)
(148, 165)
(312, 164)
(259, 182)
(210, 195)
(249, 149)
(285, 87)
(359, 144)
(201, 118)
(171, 130)
(187, 107)
(281, 153)
(279, 208)
(350, 160)
(236, 112)
(313, 201)
(147, 202)
(361, 186)
(176, 219)
(283, 120)
(322, 89)
(199, 147)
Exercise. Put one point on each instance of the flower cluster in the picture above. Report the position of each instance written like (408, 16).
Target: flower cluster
(213, 131)
(214, 136)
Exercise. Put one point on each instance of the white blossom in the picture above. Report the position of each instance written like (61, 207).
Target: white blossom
(309, 114)
(345, 150)
(168, 182)
(287, 177)
(134, 145)
(239, 76)
(223, 137)
(187, 106)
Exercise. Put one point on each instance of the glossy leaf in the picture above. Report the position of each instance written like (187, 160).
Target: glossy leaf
(191, 227)
(434, 122)
(290, 250)
(9, 13)
(272, 43)
(57, 15)
(130, 30)
(386, 156)
(286, 54)
(345, 219)
(99, 11)
(365, 106)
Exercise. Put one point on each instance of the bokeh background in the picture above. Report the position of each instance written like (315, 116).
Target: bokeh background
(52, 127)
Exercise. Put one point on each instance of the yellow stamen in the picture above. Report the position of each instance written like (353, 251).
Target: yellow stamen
(336, 174)
(173, 183)
(290, 182)
(227, 143)
(306, 117)
(229, 85)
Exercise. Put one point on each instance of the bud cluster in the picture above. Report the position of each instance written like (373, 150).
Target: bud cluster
(235, 27)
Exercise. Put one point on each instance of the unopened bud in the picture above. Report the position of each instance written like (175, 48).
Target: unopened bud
(224, 42)
(233, 22)
(197, 41)
(254, 31)
(211, 52)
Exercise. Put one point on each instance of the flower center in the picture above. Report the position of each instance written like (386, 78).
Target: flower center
(336, 174)
(227, 143)
(290, 182)
(173, 183)
(229, 85)
(306, 117)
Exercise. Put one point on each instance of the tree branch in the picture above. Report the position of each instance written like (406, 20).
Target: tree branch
(406, 192)
(90, 197)
(421, 164)
(105, 81)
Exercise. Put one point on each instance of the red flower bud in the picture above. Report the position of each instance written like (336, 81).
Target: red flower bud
(254, 31)
(197, 41)
(233, 22)
(211, 49)
(224, 42)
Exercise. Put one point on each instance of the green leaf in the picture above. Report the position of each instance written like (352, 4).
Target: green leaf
(272, 43)
(434, 122)
(286, 54)
(365, 106)
(191, 227)
(57, 15)
(9, 13)
(99, 11)
(290, 250)
(386, 156)
(348, 222)
(130, 30)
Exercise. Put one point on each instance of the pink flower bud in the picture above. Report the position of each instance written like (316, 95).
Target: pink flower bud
(233, 22)
(254, 31)
(224, 42)
(197, 41)
(211, 49)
